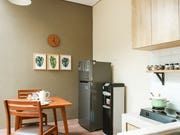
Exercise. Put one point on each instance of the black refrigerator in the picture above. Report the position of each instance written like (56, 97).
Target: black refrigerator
(92, 75)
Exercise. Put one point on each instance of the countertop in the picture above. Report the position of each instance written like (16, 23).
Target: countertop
(137, 120)
(147, 126)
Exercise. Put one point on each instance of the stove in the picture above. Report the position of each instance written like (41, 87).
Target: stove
(155, 109)
(157, 115)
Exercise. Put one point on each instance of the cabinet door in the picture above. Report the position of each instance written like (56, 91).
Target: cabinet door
(165, 21)
(141, 23)
(130, 127)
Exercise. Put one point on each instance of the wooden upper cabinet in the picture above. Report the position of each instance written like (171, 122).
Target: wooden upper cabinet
(165, 21)
(155, 24)
(141, 23)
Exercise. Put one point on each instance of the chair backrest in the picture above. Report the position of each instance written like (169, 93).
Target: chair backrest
(23, 93)
(20, 108)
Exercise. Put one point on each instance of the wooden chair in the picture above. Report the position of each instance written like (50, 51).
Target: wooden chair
(23, 94)
(19, 108)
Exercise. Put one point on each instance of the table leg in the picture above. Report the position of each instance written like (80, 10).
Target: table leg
(63, 112)
(55, 118)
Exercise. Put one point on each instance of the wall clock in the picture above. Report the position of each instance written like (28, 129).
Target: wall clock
(53, 40)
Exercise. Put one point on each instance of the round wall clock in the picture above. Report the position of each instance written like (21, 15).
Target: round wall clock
(53, 40)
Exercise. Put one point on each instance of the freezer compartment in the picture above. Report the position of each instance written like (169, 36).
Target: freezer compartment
(90, 70)
(85, 76)
(85, 70)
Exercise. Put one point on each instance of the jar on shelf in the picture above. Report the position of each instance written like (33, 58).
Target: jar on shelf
(176, 66)
(167, 67)
(171, 66)
(155, 67)
(149, 67)
(160, 67)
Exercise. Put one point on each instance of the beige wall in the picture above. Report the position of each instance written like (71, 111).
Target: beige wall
(112, 42)
(24, 31)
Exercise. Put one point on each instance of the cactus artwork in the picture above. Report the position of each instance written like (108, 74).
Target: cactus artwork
(65, 62)
(39, 61)
(53, 61)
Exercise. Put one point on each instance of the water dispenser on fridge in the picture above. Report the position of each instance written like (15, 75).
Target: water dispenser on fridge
(113, 107)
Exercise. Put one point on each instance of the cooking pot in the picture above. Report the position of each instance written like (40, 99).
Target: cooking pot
(159, 102)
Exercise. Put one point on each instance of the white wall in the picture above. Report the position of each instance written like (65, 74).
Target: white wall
(112, 42)
(24, 31)
(171, 89)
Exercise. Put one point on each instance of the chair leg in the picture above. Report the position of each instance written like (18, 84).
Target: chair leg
(45, 120)
(56, 132)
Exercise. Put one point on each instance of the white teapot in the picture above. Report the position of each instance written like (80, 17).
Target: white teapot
(43, 96)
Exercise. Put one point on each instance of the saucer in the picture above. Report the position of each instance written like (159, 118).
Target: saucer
(45, 103)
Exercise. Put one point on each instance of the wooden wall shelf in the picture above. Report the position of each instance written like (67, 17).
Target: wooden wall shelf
(163, 71)
(161, 74)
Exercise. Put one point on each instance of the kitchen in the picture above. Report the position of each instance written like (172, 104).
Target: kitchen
(112, 42)
(130, 64)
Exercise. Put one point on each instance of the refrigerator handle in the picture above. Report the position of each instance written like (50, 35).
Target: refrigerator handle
(94, 62)
(93, 94)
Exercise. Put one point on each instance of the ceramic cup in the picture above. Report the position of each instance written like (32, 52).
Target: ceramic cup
(43, 95)
(108, 101)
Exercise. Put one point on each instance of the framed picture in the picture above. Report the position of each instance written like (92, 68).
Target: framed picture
(52, 61)
(39, 61)
(65, 62)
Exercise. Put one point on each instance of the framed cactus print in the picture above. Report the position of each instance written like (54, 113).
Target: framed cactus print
(65, 62)
(52, 62)
(39, 61)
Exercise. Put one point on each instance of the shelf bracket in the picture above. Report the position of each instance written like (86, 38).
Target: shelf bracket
(161, 77)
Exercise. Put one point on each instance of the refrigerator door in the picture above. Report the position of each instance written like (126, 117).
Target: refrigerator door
(84, 104)
(90, 105)
(96, 106)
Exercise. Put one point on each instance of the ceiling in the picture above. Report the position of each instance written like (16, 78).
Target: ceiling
(85, 2)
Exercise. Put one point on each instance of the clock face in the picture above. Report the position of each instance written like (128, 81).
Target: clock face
(53, 40)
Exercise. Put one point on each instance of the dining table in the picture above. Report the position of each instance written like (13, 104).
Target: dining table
(55, 103)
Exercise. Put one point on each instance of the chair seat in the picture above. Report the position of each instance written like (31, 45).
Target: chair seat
(31, 130)
(43, 114)
(28, 119)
